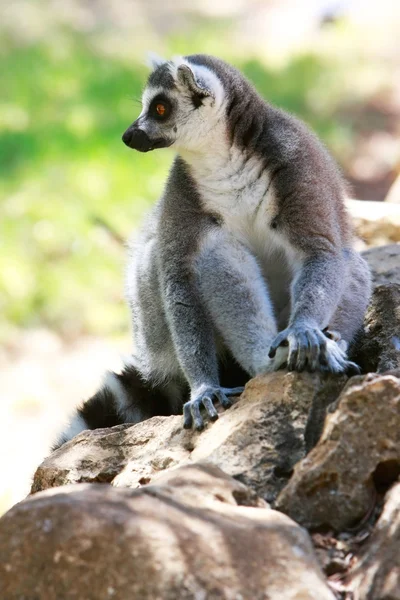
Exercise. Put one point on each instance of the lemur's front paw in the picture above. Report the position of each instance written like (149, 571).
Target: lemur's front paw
(310, 348)
(307, 347)
(191, 410)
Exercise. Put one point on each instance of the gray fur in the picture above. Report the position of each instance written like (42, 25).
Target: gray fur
(250, 238)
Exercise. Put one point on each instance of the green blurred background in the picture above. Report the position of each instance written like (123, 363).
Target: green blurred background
(71, 75)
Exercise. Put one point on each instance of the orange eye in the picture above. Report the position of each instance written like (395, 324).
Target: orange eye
(160, 108)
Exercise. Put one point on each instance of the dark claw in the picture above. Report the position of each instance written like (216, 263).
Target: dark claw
(210, 408)
(224, 401)
(280, 340)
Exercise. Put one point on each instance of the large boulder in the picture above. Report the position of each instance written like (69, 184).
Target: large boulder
(193, 535)
(258, 440)
(376, 574)
(359, 450)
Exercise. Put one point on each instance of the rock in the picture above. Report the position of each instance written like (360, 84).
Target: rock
(258, 440)
(376, 575)
(376, 223)
(384, 263)
(359, 450)
(379, 347)
(185, 537)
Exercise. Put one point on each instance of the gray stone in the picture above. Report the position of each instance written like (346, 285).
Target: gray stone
(376, 574)
(258, 440)
(335, 485)
(186, 537)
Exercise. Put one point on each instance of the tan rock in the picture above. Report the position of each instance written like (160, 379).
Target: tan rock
(185, 538)
(376, 575)
(376, 223)
(335, 484)
(258, 440)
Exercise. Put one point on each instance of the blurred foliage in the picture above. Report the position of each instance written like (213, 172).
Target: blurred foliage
(69, 188)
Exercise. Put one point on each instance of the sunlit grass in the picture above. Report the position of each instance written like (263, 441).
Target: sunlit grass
(69, 189)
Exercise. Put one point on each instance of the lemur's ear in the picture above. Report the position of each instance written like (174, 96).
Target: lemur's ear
(153, 60)
(187, 78)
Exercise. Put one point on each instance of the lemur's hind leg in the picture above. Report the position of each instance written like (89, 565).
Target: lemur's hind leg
(124, 398)
(237, 297)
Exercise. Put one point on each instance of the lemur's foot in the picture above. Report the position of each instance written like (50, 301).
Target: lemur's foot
(311, 349)
(191, 410)
(336, 359)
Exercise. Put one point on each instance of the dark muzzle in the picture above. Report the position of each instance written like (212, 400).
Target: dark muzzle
(139, 140)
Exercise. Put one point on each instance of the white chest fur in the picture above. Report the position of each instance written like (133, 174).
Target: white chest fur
(238, 188)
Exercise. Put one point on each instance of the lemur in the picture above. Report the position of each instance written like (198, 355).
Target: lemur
(246, 262)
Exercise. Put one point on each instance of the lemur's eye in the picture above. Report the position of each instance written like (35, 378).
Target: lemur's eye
(160, 107)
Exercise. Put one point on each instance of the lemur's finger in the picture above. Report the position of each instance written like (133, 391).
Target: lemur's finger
(224, 401)
(232, 391)
(323, 348)
(303, 351)
(187, 416)
(280, 340)
(210, 408)
(314, 351)
(191, 415)
(293, 349)
(197, 418)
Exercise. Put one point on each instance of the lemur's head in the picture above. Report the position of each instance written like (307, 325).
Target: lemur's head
(181, 104)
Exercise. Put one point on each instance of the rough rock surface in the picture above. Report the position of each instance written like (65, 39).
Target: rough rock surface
(185, 538)
(359, 450)
(379, 347)
(376, 575)
(384, 263)
(258, 440)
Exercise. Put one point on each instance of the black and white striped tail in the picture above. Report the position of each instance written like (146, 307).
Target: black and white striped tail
(124, 398)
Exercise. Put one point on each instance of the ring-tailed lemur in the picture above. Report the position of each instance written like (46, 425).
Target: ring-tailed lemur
(248, 251)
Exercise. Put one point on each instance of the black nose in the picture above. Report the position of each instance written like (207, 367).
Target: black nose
(137, 139)
(127, 136)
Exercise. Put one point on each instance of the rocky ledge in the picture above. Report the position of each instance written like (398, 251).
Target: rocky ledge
(293, 493)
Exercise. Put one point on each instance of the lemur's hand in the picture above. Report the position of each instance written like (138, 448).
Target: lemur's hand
(312, 349)
(204, 398)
